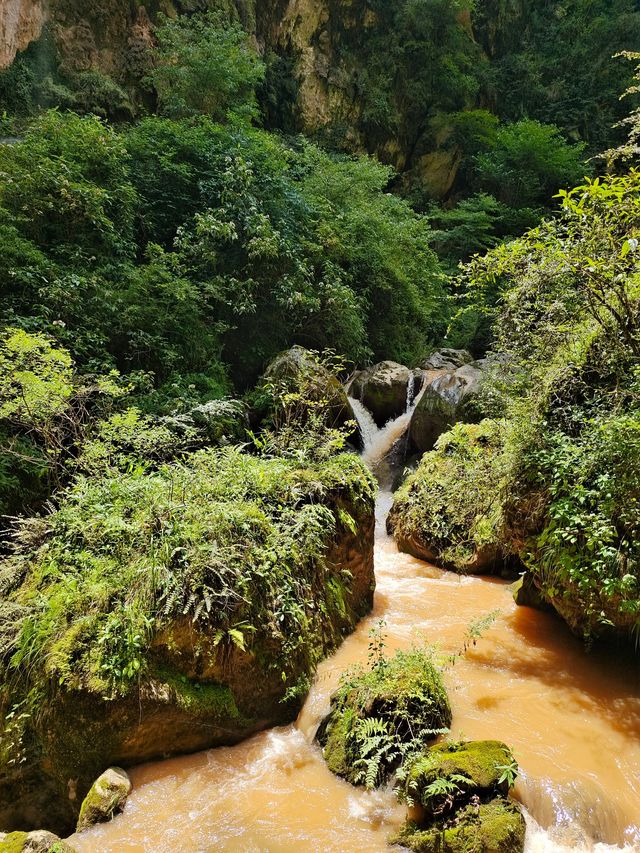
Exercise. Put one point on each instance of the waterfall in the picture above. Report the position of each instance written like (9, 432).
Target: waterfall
(368, 427)
(411, 386)
(378, 442)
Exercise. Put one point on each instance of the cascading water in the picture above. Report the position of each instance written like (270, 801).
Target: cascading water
(379, 441)
(573, 721)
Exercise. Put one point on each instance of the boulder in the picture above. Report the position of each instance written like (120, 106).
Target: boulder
(106, 798)
(210, 673)
(386, 389)
(298, 366)
(444, 401)
(494, 827)
(526, 594)
(479, 762)
(459, 791)
(404, 695)
(448, 359)
(38, 841)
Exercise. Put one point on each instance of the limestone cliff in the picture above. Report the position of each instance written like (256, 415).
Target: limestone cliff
(21, 22)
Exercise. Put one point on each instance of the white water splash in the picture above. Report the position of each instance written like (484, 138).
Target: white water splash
(411, 387)
(568, 838)
(368, 427)
(379, 441)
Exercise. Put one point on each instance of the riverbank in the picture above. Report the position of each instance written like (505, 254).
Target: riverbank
(572, 719)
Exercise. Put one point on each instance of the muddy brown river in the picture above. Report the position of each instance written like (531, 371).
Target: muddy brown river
(572, 719)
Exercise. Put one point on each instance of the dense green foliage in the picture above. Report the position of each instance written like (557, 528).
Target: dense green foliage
(205, 66)
(451, 504)
(561, 490)
(172, 245)
(223, 538)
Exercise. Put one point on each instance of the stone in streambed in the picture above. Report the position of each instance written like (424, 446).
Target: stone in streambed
(106, 798)
(494, 827)
(404, 694)
(526, 594)
(480, 762)
(38, 841)
(459, 791)
(382, 388)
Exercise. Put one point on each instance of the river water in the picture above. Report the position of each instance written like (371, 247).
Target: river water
(572, 719)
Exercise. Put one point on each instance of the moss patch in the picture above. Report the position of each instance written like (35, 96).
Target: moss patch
(200, 699)
(450, 510)
(14, 842)
(480, 763)
(172, 610)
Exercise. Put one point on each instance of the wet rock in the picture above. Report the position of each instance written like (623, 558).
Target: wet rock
(526, 594)
(460, 794)
(445, 401)
(383, 389)
(479, 762)
(404, 695)
(38, 841)
(106, 798)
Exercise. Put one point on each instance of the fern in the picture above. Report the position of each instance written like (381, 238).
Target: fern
(377, 750)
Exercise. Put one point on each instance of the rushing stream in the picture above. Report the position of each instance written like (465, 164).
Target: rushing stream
(572, 719)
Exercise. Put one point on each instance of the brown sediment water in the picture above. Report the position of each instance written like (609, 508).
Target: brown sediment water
(572, 719)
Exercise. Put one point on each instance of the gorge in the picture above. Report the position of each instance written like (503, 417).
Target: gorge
(572, 720)
(319, 426)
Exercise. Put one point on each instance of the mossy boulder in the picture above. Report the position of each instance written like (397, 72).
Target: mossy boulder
(299, 369)
(38, 841)
(480, 763)
(172, 611)
(451, 511)
(494, 827)
(106, 798)
(399, 700)
(460, 790)
(384, 389)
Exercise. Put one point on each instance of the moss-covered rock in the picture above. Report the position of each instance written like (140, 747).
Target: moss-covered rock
(299, 370)
(451, 510)
(460, 790)
(106, 798)
(38, 841)
(494, 827)
(474, 768)
(526, 594)
(174, 610)
(399, 700)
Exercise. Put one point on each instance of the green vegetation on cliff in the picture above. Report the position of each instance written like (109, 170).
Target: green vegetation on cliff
(170, 610)
(225, 539)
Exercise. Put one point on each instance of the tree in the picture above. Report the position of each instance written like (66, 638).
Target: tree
(529, 163)
(205, 65)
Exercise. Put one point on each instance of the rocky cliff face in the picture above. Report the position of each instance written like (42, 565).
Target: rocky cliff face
(21, 22)
(319, 46)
